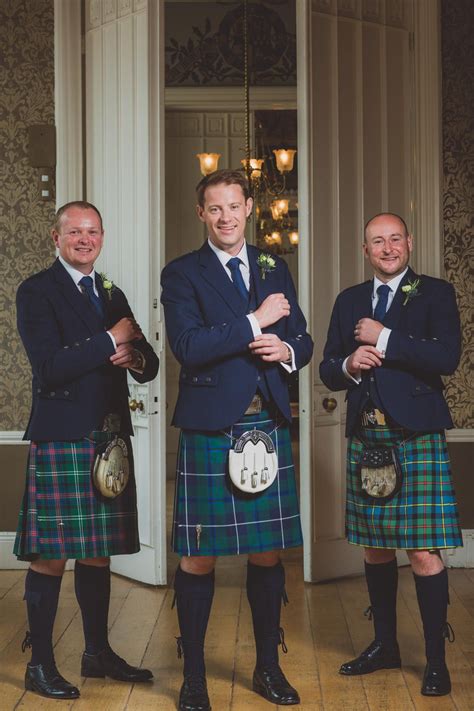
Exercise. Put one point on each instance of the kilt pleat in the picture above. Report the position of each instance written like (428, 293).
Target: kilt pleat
(62, 515)
(229, 521)
(423, 515)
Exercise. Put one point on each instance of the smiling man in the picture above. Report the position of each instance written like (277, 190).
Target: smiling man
(389, 342)
(80, 337)
(234, 325)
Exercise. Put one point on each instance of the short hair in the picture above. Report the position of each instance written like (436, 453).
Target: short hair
(226, 176)
(82, 205)
(386, 214)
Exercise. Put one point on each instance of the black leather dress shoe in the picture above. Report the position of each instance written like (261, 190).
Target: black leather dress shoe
(376, 656)
(436, 681)
(193, 695)
(107, 663)
(46, 680)
(273, 685)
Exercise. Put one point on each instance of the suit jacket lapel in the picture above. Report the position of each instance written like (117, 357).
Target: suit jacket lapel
(73, 296)
(214, 273)
(395, 311)
(106, 298)
(362, 305)
(263, 287)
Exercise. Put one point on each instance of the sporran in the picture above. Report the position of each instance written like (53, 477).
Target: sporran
(111, 469)
(253, 463)
(380, 472)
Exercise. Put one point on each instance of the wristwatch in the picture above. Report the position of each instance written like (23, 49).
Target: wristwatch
(139, 361)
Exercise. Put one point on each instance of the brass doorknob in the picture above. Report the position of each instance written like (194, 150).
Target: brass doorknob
(136, 405)
(329, 404)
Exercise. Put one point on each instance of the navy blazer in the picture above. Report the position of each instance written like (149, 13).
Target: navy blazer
(74, 383)
(209, 334)
(425, 343)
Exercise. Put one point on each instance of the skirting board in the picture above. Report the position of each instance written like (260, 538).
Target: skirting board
(8, 561)
(461, 557)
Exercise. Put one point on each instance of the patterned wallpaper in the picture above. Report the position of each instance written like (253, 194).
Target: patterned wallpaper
(458, 197)
(204, 43)
(26, 98)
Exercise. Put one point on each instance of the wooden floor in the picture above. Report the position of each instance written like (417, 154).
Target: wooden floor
(324, 626)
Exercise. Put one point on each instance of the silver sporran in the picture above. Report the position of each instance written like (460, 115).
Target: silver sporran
(253, 463)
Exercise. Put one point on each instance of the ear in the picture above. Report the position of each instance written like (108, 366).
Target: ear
(200, 212)
(55, 236)
(410, 243)
(365, 250)
(248, 206)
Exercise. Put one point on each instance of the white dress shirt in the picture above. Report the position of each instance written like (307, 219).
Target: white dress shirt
(244, 267)
(384, 334)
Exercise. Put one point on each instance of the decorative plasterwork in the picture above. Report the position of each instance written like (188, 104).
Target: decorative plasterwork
(101, 12)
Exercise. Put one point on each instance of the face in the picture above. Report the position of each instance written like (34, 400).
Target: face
(80, 238)
(225, 215)
(387, 247)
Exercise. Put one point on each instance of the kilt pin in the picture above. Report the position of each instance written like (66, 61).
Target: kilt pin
(400, 405)
(75, 390)
(206, 312)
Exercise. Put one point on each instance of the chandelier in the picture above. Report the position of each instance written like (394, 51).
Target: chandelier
(275, 228)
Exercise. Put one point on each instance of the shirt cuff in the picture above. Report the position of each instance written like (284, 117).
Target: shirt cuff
(289, 367)
(113, 340)
(256, 330)
(382, 340)
(357, 379)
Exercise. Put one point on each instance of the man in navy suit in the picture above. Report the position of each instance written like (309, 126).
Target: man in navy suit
(81, 338)
(234, 324)
(389, 342)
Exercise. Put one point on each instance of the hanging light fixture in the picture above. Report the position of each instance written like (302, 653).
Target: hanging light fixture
(208, 162)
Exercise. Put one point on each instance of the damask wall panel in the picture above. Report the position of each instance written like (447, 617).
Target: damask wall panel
(26, 98)
(204, 43)
(458, 194)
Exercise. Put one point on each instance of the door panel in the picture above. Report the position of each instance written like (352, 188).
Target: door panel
(124, 112)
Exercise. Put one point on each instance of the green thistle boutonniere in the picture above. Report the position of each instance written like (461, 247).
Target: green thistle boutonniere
(266, 264)
(108, 284)
(410, 290)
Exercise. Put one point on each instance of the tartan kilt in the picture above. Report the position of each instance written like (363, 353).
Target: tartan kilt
(233, 522)
(423, 515)
(62, 514)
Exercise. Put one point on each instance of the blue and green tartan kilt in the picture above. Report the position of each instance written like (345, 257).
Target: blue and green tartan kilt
(423, 515)
(230, 521)
(62, 514)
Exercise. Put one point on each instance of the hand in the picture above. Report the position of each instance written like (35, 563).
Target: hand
(126, 356)
(269, 348)
(125, 330)
(364, 358)
(272, 309)
(368, 331)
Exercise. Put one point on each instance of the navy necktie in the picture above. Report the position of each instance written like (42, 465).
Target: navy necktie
(88, 286)
(381, 308)
(237, 278)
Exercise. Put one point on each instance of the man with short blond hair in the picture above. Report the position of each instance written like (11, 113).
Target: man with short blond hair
(81, 338)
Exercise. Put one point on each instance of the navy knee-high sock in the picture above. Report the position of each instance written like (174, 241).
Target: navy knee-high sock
(92, 586)
(42, 596)
(265, 592)
(382, 583)
(194, 595)
(432, 592)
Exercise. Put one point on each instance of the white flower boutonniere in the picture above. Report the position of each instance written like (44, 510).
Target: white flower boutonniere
(410, 290)
(108, 284)
(266, 264)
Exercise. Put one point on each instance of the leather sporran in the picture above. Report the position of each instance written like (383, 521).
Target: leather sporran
(380, 472)
(111, 470)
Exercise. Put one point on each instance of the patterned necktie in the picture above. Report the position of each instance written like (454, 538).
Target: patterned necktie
(237, 278)
(88, 286)
(381, 307)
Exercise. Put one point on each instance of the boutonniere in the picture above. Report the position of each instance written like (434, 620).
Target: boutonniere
(266, 264)
(410, 290)
(108, 284)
